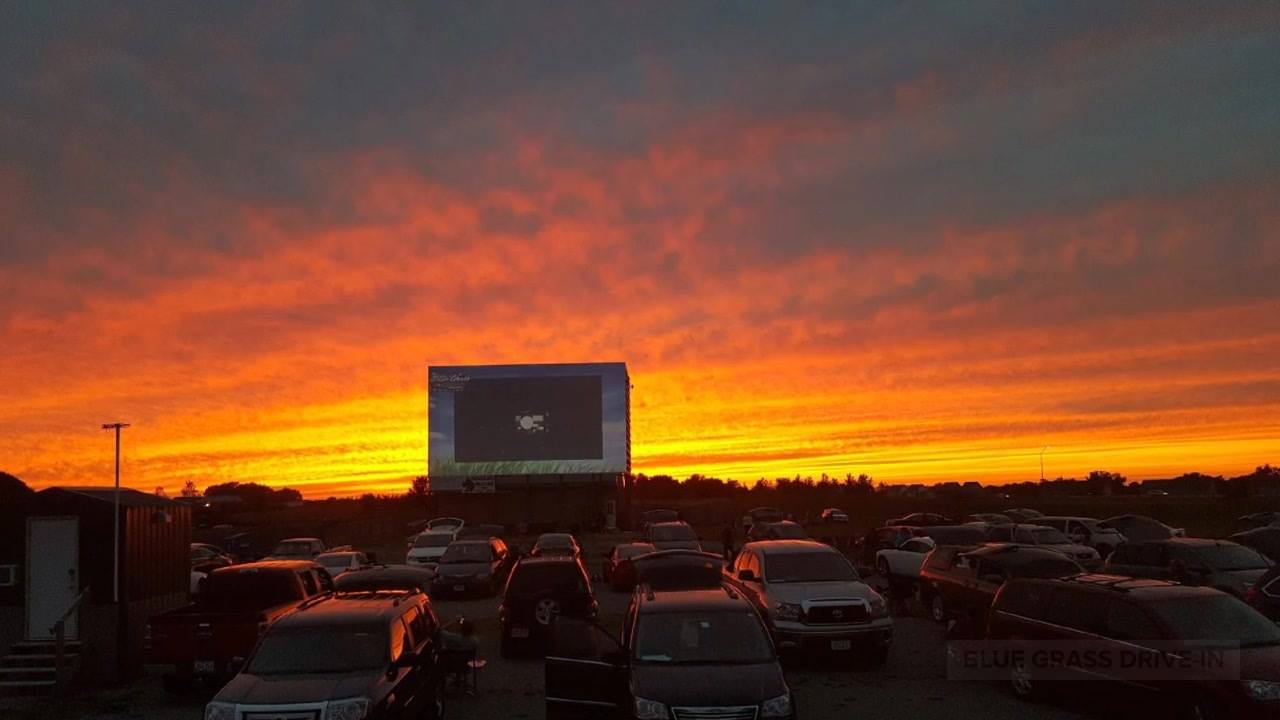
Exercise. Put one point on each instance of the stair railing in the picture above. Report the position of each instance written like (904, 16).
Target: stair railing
(59, 632)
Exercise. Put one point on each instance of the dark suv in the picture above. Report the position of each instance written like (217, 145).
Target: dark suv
(1109, 621)
(688, 650)
(1221, 564)
(959, 583)
(538, 591)
(359, 655)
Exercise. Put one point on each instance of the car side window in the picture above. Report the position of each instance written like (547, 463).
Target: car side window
(399, 639)
(420, 629)
(1077, 529)
(309, 584)
(1152, 555)
(324, 581)
(1001, 534)
(1082, 611)
(1126, 621)
(915, 546)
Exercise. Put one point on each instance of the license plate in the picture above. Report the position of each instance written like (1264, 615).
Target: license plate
(841, 644)
(519, 632)
(205, 667)
(459, 588)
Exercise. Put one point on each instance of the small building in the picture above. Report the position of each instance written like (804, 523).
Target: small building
(56, 551)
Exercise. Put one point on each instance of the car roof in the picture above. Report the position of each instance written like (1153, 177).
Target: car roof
(771, 547)
(267, 565)
(1014, 553)
(356, 608)
(717, 598)
(337, 553)
(548, 560)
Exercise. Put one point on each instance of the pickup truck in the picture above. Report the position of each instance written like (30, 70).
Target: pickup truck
(206, 638)
(303, 548)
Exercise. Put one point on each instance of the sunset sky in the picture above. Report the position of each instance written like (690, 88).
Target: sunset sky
(846, 237)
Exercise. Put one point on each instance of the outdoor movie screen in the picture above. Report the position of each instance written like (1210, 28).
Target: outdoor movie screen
(527, 420)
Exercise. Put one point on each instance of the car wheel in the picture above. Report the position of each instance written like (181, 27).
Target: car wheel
(545, 611)
(1020, 680)
(938, 609)
(882, 567)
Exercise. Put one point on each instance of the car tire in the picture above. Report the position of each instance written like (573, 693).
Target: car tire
(938, 609)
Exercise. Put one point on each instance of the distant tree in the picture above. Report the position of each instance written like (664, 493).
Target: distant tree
(189, 489)
(254, 494)
(13, 490)
(420, 488)
(1103, 482)
(161, 492)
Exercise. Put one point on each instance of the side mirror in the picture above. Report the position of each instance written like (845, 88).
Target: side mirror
(746, 575)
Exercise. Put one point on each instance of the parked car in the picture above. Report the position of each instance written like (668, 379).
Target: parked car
(237, 604)
(673, 536)
(834, 516)
(988, 518)
(785, 530)
(446, 523)
(765, 515)
(540, 590)
(1084, 531)
(473, 566)
(901, 565)
(337, 563)
(812, 598)
(1265, 540)
(657, 515)
(1138, 528)
(551, 544)
(618, 570)
(428, 546)
(1260, 519)
(1221, 564)
(385, 577)
(1022, 515)
(206, 558)
(960, 583)
(1264, 595)
(371, 656)
(881, 538)
(1047, 538)
(299, 548)
(685, 651)
(920, 519)
(1113, 617)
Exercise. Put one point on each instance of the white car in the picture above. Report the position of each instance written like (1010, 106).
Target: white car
(427, 547)
(1048, 538)
(904, 561)
(340, 562)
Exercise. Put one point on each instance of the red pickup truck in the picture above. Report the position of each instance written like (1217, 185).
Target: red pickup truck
(238, 604)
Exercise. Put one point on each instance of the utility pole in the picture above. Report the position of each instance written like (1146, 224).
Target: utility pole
(115, 534)
(1046, 447)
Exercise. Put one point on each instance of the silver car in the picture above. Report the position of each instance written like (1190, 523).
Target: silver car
(813, 599)
(1048, 538)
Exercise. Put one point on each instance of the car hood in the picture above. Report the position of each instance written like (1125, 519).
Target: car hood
(798, 592)
(677, 545)
(248, 689)
(703, 685)
(466, 569)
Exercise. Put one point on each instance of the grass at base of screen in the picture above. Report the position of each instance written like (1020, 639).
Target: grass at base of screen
(517, 467)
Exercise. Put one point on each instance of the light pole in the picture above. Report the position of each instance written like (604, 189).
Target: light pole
(1046, 447)
(115, 532)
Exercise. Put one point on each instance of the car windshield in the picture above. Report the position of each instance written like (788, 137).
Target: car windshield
(1218, 617)
(466, 553)
(807, 567)
(293, 548)
(1232, 557)
(712, 638)
(307, 651)
(626, 552)
(556, 542)
(670, 533)
(1048, 536)
(787, 531)
(428, 540)
(534, 578)
(335, 561)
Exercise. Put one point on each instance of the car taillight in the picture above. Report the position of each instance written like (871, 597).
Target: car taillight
(1251, 595)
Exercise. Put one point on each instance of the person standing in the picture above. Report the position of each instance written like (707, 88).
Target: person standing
(727, 540)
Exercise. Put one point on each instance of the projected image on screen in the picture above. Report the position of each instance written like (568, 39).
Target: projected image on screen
(529, 418)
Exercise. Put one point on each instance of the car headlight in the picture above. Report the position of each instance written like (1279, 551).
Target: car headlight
(219, 711)
(786, 612)
(776, 707)
(879, 608)
(650, 709)
(348, 709)
(1262, 689)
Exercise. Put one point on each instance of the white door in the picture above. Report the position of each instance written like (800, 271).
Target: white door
(53, 574)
